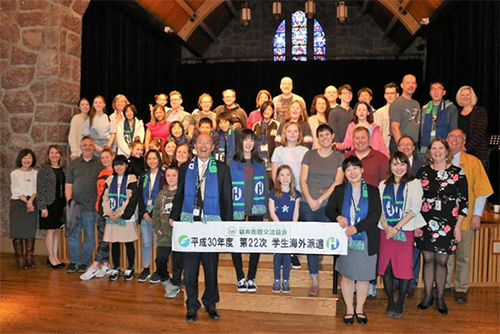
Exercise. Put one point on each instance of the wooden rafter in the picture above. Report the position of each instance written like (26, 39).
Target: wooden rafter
(194, 15)
(205, 9)
(407, 20)
(232, 8)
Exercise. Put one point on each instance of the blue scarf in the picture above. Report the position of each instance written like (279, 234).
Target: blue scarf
(116, 199)
(128, 132)
(441, 127)
(178, 140)
(227, 146)
(357, 241)
(150, 196)
(393, 207)
(238, 181)
(211, 209)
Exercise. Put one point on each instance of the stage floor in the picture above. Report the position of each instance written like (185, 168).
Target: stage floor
(45, 300)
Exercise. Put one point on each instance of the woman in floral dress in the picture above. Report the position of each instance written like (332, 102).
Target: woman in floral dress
(444, 207)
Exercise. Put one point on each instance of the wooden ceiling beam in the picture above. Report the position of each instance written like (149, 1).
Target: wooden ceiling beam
(193, 15)
(397, 8)
(197, 20)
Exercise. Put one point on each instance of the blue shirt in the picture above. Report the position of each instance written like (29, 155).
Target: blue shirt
(284, 205)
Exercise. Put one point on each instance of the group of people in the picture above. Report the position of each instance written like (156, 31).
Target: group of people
(400, 180)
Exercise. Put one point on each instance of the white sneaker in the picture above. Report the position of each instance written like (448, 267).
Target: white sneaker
(103, 271)
(372, 291)
(89, 274)
(242, 285)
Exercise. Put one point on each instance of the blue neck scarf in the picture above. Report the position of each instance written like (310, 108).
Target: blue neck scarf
(357, 241)
(211, 209)
(116, 199)
(238, 181)
(146, 195)
(128, 131)
(441, 127)
(393, 207)
(227, 146)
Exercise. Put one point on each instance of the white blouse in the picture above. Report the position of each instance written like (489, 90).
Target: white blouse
(23, 183)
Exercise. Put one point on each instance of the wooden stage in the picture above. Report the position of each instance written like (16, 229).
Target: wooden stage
(45, 300)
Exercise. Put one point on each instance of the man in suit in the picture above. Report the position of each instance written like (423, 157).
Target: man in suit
(203, 196)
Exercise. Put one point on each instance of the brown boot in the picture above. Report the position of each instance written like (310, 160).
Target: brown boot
(18, 249)
(30, 249)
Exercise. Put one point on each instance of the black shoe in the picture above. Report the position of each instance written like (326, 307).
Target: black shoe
(348, 321)
(155, 278)
(361, 318)
(213, 314)
(71, 268)
(441, 306)
(53, 266)
(82, 268)
(423, 305)
(389, 311)
(191, 316)
(295, 262)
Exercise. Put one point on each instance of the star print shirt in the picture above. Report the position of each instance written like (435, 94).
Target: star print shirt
(285, 205)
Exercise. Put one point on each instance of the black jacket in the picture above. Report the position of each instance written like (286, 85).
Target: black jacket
(369, 225)
(225, 192)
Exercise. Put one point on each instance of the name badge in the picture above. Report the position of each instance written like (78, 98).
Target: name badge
(438, 205)
(196, 211)
(263, 148)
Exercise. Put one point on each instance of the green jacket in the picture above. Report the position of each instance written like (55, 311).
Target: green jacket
(161, 213)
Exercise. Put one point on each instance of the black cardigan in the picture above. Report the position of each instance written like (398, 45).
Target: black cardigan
(369, 225)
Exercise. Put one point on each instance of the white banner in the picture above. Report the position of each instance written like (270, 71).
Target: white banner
(260, 237)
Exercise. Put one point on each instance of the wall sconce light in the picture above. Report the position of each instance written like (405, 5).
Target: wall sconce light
(276, 10)
(341, 12)
(310, 9)
(246, 15)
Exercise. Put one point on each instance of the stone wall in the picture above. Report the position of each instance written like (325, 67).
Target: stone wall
(360, 38)
(40, 48)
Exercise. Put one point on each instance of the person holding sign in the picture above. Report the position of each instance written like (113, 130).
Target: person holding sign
(284, 204)
(250, 191)
(203, 196)
(401, 196)
(355, 205)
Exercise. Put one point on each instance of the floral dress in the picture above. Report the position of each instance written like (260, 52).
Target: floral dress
(445, 197)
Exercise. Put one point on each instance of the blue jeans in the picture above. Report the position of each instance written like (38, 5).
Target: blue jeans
(305, 215)
(87, 224)
(147, 243)
(284, 260)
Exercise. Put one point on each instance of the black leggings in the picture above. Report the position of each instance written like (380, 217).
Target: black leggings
(115, 250)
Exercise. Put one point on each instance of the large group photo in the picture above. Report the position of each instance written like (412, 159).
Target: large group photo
(167, 192)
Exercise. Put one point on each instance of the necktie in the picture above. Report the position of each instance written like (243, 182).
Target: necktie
(202, 186)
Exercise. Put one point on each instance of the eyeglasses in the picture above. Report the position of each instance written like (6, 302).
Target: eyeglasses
(456, 137)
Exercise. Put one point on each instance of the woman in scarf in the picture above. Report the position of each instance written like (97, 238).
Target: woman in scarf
(401, 196)
(355, 205)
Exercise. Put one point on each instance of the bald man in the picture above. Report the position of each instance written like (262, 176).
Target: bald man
(332, 94)
(283, 101)
(405, 115)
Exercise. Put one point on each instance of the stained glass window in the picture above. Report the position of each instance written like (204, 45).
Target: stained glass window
(280, 42)
(319, 41)
(298, 34)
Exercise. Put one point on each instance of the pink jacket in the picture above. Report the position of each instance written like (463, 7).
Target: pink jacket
(376, 140)
(254, 117)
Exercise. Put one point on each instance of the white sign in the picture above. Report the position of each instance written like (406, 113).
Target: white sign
(260, 237)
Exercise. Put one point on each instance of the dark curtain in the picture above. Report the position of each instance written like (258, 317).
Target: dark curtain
(310, 78)
(464, 49)
(123, 56)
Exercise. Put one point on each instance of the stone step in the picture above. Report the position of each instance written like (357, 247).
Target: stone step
(296, 302)
(265, 275)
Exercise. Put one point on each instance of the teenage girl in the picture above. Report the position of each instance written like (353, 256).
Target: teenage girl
(136, 159)
(250, 191)
(119, 203)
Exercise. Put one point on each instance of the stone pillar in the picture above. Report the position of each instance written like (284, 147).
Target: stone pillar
(40, 49)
